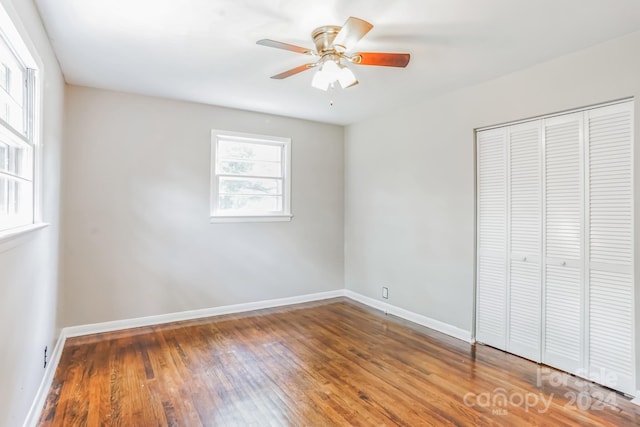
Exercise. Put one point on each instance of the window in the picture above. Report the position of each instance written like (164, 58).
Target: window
(17, 136)
(250, 177)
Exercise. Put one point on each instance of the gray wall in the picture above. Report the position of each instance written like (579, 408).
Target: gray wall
(409, 180)
(29, 264)
(138, 240)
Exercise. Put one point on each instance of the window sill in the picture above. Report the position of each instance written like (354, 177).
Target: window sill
(257, 218)
(13, 235)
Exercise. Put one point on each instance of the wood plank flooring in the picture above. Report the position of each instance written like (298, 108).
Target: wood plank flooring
(318, 364)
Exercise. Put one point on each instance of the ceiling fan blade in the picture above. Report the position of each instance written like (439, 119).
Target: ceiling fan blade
(285, 46)
(352, 84)
(381, 59)
(293, 71)
(351, 32)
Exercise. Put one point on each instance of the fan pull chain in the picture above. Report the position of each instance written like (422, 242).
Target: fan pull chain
(331, 92)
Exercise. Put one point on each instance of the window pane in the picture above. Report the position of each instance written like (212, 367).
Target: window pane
(22, 162)
(23, 201)
(17, 164)
(13, 196)
(4, 157)
(249, 204)
(12, 76)
(16, 160)
(230, 150)
(12, 113)
(4, 77)
(12, 81)
(242, 167)
(16, 201)
(249, 186)
(4, 197)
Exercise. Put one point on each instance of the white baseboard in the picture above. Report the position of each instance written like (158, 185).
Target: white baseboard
(47, 378)
(636, 400)
(437, 325)
(116, 325)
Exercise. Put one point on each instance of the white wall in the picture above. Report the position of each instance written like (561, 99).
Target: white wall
(138, 240)
(410, 177)
(29, 264)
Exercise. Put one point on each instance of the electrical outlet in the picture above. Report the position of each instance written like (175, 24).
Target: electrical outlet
(45, 356)
(385, 292)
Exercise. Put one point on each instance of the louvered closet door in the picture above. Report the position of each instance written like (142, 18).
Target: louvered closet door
(610, 246)
(563, 280)
(525, 235)
(492, 238)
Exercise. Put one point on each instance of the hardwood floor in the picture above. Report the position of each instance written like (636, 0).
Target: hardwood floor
(318, 364)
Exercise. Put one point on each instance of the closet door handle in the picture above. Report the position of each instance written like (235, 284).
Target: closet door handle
(524, 258)
(564, 263)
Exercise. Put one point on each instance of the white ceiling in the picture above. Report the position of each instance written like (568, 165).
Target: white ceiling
(205, 50)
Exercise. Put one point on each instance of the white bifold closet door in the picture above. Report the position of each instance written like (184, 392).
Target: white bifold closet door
(563, 243)
(555, 279)
(491, 320)
(609, 207)
(524, 240)
(509, 239)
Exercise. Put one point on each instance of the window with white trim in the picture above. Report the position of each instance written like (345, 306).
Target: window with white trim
(17, 133)
(250, 177)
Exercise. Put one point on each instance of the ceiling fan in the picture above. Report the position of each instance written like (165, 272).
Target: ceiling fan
(333, 45)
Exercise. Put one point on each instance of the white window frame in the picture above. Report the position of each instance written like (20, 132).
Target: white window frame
(15, 36)
(216, 215)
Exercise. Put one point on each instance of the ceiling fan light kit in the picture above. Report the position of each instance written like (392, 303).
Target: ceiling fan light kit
(331, 72)
(331, 46)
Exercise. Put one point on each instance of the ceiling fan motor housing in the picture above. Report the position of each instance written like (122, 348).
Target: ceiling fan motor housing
(323, 38)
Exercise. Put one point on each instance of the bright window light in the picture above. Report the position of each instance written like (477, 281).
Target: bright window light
(17, 129)
(250, 177)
